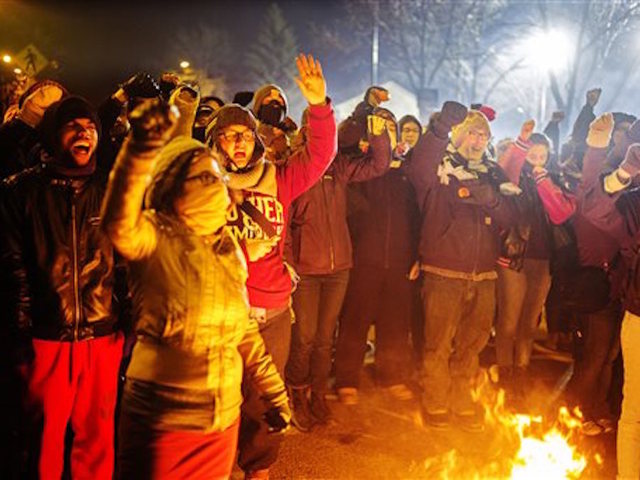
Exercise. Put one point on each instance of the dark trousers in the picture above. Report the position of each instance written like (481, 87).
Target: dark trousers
(458, 317)
(594, 359)
(380, 296)
(316, 303)
(258, 449)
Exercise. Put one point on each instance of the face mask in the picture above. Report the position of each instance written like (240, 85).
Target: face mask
(272, 113)
(203, 207)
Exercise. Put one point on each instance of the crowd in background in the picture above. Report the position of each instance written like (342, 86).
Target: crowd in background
(183, 277)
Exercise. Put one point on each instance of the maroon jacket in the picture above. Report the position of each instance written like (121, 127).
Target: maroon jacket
(543, 202)
(618, 215)
(456, 235)
(319, 235)
(385, 233)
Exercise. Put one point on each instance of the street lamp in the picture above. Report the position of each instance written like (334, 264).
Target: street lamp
(184, 64)
(549, 50)
(6, 58)
(17, 71)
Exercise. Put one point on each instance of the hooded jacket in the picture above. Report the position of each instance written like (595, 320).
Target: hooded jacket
(320, 240)
(542, 203)
(457, 238)
(58, 267)
(271, 189)
(195, 337)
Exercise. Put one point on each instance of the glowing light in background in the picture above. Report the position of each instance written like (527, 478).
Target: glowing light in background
(549, 50)
(184, 64)
(6, 58)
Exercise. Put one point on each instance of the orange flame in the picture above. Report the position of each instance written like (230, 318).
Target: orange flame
(526, 447)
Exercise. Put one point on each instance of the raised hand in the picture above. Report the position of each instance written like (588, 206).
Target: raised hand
(600, 131)
(452, 113)
(152, 123)
(311, 80)
(631, 163)
(141, 85)
(376, 125)
(377, 95)
(527, 129)
(593, 96)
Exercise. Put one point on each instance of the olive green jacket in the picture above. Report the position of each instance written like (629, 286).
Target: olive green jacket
(191, 311)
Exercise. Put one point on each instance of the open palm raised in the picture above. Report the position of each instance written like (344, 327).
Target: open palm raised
(311, 80)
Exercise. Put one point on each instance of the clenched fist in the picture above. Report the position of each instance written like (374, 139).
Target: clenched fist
(600, 131)
(152, 123)
(527, 129)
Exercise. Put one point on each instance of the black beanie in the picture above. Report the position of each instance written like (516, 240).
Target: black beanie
(59, 114)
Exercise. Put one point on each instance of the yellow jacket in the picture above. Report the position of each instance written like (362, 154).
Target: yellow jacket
(191, 309)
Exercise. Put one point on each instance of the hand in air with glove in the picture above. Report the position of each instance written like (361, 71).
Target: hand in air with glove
(620, 178)
(140, 85)
(152, 124)
(600, 131)
(451, 114)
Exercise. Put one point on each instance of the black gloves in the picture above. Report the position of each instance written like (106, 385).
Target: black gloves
(152, 123)
(452, 113)
(277, 418)
(141, 85)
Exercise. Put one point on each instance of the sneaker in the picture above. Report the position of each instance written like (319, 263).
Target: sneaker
(319, 408)
(591, 429)
(257, 474)
(437, 419)
(471, 421)
(400, 392)
(608, 425)
(348, 395)
(300, 412)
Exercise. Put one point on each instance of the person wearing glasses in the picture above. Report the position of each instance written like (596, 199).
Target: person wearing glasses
(263, 193)
(181, 402)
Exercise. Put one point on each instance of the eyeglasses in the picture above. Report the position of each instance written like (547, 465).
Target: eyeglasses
(231, 136)
(205, 178)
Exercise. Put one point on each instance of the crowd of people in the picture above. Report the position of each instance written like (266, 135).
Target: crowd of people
(185, 277)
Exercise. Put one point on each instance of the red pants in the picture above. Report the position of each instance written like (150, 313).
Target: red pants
(145, 454)
(77, 382)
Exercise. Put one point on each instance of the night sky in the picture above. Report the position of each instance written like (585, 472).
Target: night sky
(99, 44)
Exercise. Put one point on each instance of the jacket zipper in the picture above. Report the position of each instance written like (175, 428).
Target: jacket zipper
(332, 254)
(74, 254)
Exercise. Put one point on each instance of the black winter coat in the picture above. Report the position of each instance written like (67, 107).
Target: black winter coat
(57, 266)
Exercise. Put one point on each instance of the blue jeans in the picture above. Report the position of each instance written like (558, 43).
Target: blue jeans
(316, 303)
(458, 318)
(521, 296)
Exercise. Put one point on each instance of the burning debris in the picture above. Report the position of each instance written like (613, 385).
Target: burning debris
(525, 446)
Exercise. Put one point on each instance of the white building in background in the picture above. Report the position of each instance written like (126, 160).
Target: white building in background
(402, 102)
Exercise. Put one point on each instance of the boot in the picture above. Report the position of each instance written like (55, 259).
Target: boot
(300, 412)
(319, 408)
